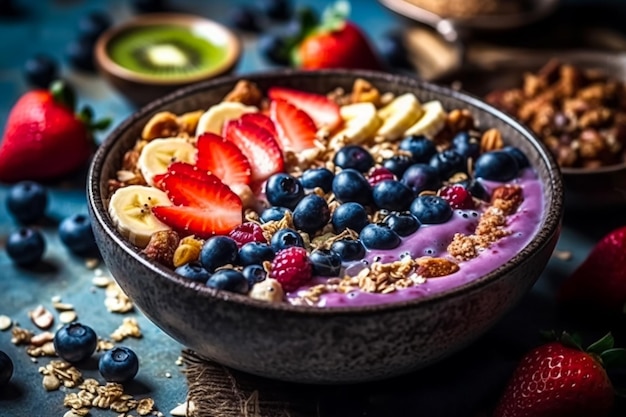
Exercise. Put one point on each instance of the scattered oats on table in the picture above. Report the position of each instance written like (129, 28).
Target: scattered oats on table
(5, 322)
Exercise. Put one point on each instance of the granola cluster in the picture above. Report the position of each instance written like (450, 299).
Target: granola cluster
(579, 114)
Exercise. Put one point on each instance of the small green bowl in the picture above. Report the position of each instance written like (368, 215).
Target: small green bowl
(216, 52)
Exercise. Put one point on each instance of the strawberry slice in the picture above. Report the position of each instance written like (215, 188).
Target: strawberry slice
(322, 110)
(296, 129)
(208, 208)
(261, 120)
(223, 159)
(258, 145)
(184, 169)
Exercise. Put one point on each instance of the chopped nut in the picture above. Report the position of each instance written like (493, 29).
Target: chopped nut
(128, 328)
(145, 406)
(116, 301)
(41, 338)
(51, 383)
(20, 336)
(188, 122)
(507, 198)
(188, 250)
(41, 317)
(364, 91)
(269, 290)
(435, 267)
(104, 345)
(5, 322)
(161, 247)
(161, 125)
(491, 140)
(245, 92)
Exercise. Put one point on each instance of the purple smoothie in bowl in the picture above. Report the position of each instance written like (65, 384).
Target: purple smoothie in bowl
(370, 270)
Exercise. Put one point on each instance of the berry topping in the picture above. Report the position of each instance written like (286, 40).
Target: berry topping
(475, 187)
(398, 164)
(421, 148)
(421, 177)
(247, 232)
(296, 130)
(119, 364)
(448, 163)
(218, 251)
(326, 263)
(520, 157)
(77, 235)
(379, 236)
(255, 253)
(75, 342)
(27, 201)
(379, 174)
(254, 273)
(223, 159)
(40, 70)
(286, 238)
(25, 246)
(323, 111)
(355, 157)
(404, 224)
(273, 213)
(348, 250)
(229, 280)
(311, 214)
(183, 169)
(260, 120)
(284, 190)
(349, 215)
(291, 267)
(457, 196)
(193, 271)
(431, 209)
(466, 145)
(317, 177)
(496, 166)
(351, 185)
(392, 195)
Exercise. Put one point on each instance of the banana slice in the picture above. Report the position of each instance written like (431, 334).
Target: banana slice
(214, 118)
(431, 122)
(158, 154)
(130, 211)
(361, 122)
(399, 115)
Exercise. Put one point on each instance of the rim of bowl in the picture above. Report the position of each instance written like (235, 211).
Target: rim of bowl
(551, 219)
(232, 46)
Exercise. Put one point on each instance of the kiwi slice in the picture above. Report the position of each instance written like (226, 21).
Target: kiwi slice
(165, 51)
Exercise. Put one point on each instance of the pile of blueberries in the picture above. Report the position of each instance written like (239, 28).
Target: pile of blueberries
(393, 188)
(27, 202)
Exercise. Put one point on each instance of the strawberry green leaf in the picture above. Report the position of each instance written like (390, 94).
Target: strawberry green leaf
(548, 335)
(334, 16)
(613, 358)
(571, 340)
(100, 124)
(606, 342)
(63, 93)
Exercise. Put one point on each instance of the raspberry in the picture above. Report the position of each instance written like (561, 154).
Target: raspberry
(247, 232)
(291, 267)
(379, 174)
(457, 196)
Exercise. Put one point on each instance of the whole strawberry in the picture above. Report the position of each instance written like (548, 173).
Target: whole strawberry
(44, 139)
(600, 281)
(559, 379)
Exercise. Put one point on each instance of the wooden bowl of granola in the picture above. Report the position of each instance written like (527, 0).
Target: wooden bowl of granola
(337, 342)
(575, 102)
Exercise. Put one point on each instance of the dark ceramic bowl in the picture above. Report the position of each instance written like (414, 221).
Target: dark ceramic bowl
(309, 344)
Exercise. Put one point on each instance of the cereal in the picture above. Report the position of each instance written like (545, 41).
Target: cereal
(67, 316)
(41, 317)
(5, 322)
(128, 328)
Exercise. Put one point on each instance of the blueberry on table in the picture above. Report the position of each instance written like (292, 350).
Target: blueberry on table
(254, 273)
(420, 147)
(496, 166)
(277, 9)
(285, 238)
(284, 190)
(25, 246)
(75, 342)
(355, 157)
(394, 51)
(448, 163)
(229, 280)
(349, 215)
(318, 177)
(311, 214)
(348, 249)
(404, 224)
(379, 236)
(273, 213)
(149, 6)
(40, 70)
(119, 364)
(431, 209)
(255, 253)
(193, 271)
(274, 48)
(466, 145)
(245, 18)
(80, 55)
(92, 25)
(27, 201)
(326, 263)
(421, 177)
(392, 195)
(398, 164)
(218, 251)
(351, 185)
(6, 368)
(76, 233)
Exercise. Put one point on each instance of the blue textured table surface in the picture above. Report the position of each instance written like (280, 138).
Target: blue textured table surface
(47, 26)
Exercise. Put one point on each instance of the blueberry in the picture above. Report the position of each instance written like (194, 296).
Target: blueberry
(351, 185)
(6, 368)
(431, 209)
(80, 55)
(119, 364)
(466, 145)
(311, 214)
(40, 70)
(421, 177)
(75, 342)
(277, 9)
(193, 271)
(392, 195)
(326, 263)
(393, 50)
(149, 6)
(92, 25)
(476, 189)
(398, 164)
(254, 273)
(420, 147)
(218, 251)
(355, 157)
(349, 215)
(348, 249)
(379, 236)
(520, 157)
(229, 280)
(274, 48)
(76, 233)
(255, 253)
(273, 213)
(317, 177)
(284, 190)
(285, 238)
(25, 246)
(448, 163)
(27, 201)
(496, 166)
(245, 18)
(404, 224)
